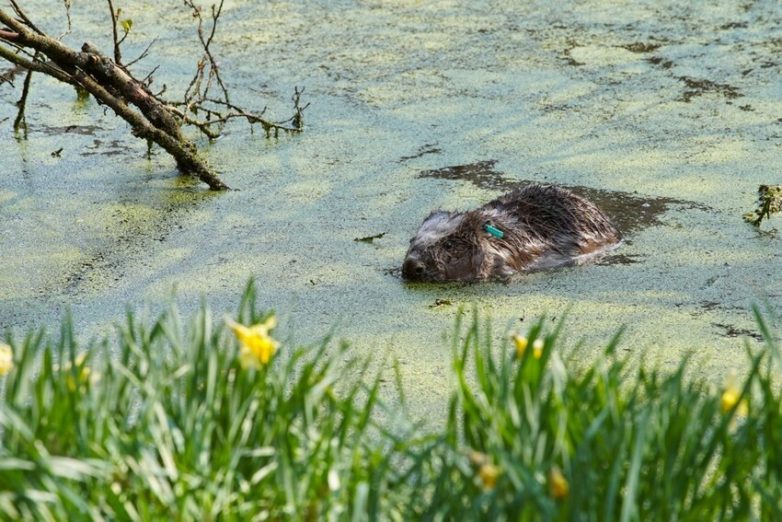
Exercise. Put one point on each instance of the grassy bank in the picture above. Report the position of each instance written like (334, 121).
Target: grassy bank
(213, 419)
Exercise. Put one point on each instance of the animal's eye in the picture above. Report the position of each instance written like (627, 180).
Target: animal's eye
(449, 244)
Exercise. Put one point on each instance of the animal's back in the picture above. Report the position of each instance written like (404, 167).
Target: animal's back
(563, 224)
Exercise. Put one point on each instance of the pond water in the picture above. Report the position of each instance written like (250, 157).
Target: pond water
(668, 115)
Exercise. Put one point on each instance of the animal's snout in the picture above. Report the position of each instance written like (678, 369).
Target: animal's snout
(412, 268)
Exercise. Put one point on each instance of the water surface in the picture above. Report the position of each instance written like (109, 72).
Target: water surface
(667, 115)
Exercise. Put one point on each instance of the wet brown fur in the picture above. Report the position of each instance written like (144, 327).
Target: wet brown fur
(543, 227)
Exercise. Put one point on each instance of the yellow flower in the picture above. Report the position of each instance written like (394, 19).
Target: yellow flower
(521, 345)
(558, 486)
(84, 374)
(730, 397)
(6, 359)
(256, 347)
(537, 348)
(488, 474)
(83, 378)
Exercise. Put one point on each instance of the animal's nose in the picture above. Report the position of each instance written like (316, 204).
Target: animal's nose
(412, 269)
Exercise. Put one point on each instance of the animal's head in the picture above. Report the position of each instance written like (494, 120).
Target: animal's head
(454, 246)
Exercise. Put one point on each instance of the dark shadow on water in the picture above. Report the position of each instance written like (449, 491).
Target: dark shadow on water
(427, 148)
(619, 259)
(729, 330)
(630, 212)
(52, 130)
(698, 87)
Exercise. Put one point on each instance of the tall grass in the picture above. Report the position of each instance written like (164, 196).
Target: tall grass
(165, 422)
(608, 442)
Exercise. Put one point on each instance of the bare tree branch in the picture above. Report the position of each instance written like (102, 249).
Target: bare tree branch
(113, 87)
(112, 84)
(43, 67)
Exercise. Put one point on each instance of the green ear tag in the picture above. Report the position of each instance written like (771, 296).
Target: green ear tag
(496, 232)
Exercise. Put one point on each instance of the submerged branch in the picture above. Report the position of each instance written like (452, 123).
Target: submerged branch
(22, 103)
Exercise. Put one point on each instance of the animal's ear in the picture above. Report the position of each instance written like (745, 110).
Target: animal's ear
(438, 224)
(436, 218)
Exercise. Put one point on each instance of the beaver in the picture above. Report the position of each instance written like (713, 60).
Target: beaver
(529, 228)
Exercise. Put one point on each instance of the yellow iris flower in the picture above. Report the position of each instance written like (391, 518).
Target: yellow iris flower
(730, 397)
(558, 486)
(6, 359)
(521, 345)
(537, 348)
(256, 346)
(488, 474)
(522, 342)
(84, 375)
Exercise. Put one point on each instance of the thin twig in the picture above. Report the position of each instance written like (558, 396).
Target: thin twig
(117, 53)
(147, 80)
(158, 94)
(252, 118)
(68, 13)
(21, 14)
(194, 86)
(142, 55)
(217, 118)
(214, 69)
